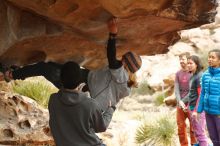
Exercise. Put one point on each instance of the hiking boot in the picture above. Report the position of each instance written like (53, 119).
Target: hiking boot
(2, 71)
(6, 73)
(2, 78)
(14, 67)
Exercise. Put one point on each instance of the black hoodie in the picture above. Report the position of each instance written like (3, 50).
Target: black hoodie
(75, 118)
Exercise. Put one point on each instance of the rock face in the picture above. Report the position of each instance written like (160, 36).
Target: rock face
(60, 30)
(22, 121)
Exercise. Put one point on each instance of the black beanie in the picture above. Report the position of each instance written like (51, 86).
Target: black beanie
(70, 75)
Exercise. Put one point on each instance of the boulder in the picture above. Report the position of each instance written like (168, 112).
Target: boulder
(23, 121)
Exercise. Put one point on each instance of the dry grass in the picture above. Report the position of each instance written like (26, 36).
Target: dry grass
(37, 88)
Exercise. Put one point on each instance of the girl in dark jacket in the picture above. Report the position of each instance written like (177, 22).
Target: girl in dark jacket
(195, 67)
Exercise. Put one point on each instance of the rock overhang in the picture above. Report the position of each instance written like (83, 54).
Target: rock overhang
(61, 30)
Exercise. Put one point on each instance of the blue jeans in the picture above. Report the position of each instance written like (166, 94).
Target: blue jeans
(103, 144)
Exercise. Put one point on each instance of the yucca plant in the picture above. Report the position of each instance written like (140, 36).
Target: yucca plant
(160, 132)
(38, 90)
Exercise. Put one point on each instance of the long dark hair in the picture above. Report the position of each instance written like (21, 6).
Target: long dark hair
(197, 61)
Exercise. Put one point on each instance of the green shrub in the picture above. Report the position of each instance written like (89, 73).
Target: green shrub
(159, 99)
(143, 89)
(38, 90)
(160, 132)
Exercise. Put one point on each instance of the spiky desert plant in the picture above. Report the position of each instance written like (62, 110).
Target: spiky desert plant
(159, 132)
